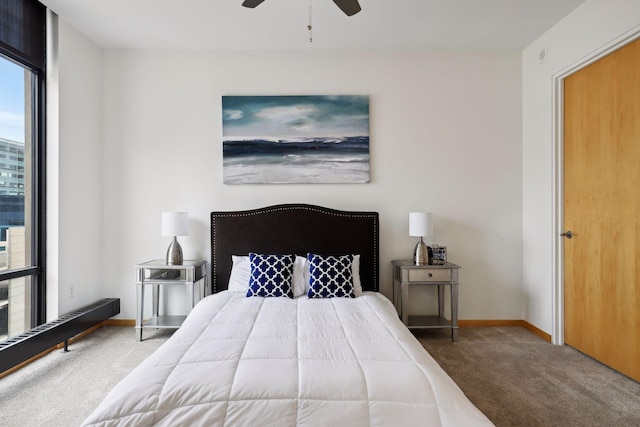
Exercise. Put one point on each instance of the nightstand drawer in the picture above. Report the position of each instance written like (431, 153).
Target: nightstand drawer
(430, 275)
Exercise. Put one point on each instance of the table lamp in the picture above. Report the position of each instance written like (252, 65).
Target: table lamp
(420, 225)
(175, 224)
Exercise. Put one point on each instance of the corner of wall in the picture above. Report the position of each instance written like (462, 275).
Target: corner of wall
(52, 135)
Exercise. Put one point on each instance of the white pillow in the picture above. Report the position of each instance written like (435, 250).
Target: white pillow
(355, 271)
(300, 276)
(241, 272)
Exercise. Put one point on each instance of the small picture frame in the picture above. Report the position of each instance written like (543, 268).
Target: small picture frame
(438, 255)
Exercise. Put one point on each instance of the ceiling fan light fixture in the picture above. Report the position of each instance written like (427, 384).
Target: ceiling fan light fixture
(251, 3)
(349, 7)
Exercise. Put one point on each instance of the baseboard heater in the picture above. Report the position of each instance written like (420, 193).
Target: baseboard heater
(22, 347)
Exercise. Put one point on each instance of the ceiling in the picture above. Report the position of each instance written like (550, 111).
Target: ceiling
(282, 24)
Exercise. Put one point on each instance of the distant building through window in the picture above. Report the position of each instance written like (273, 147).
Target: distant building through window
(12, 187)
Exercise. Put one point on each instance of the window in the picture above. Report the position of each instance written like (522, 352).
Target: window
(22, 196)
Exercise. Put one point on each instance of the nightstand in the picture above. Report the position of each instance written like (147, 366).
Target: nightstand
(156, 273)
(406, 275)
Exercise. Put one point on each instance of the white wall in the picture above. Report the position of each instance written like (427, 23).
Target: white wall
(445, 137)
(74, 171)
(579, 36)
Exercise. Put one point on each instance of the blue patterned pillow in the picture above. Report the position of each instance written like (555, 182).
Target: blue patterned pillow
(271, 275)
(330, 276)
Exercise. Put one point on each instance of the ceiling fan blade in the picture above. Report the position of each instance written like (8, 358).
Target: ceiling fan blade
(349, 7)
(251, 3)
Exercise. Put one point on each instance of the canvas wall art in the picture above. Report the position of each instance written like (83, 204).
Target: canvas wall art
(295, 139)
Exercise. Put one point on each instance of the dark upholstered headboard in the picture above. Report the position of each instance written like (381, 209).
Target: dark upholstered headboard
(294, 229)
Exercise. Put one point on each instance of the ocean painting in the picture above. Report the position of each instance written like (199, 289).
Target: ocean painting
(295, 139)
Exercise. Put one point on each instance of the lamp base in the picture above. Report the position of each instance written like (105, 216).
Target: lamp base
(421, 253)
(174, 253)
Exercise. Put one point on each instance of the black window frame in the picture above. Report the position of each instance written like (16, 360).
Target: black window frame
(23, 41)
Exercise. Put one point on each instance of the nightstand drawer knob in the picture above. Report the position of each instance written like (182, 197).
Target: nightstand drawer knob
(430, 274)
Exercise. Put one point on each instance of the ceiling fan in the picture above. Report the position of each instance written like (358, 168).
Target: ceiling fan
(349, 7)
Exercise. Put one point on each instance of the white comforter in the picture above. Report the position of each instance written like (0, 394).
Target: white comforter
(286, 362)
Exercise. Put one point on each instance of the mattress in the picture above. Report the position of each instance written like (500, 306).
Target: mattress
(286, 362)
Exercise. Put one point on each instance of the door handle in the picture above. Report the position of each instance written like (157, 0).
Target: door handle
(568, 234)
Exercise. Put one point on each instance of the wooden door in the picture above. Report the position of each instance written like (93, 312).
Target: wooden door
(602, 209)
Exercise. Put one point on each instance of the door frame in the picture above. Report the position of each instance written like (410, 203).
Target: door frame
(557, 333)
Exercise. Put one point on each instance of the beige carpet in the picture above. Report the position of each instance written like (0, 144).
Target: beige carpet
(514, 377)
(61, 389)
(518, 379)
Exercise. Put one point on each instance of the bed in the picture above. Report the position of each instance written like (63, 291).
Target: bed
(310, 359)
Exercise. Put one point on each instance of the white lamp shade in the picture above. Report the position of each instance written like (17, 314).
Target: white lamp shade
(175, 223)
(420, 224)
